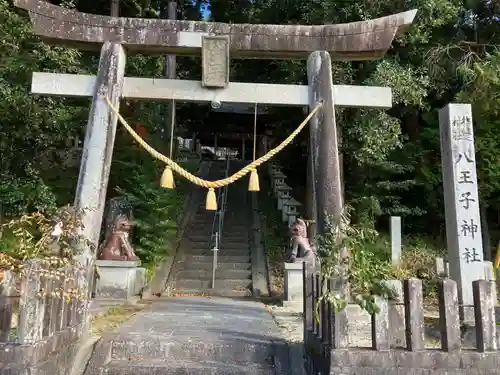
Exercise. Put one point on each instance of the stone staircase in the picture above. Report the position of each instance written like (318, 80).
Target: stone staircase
(193, 272)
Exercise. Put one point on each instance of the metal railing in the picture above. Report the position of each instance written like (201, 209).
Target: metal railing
(218, 223)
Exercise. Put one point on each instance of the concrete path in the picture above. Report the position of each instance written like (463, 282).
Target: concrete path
(196, 335)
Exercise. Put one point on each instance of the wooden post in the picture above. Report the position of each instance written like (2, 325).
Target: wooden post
(63, 305)
(51, 309)
(449, 318)
(317, 294)
(397, 315)
(338, 324)
(31, 306)
(308, 299)
(8, 294)
(414, 314)
(381, 339)
(485, 300)
(325, 318)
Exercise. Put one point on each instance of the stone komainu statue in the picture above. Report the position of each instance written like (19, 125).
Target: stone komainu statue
(300, 247)
(117, 245)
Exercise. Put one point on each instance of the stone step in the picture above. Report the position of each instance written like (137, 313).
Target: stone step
(205, 246)
(220, 274)
(203, 227)
(195, 237)
(234, 245)
(225, 252)
(189, 344)
(221, 258)
(188, 266)
(198, 221)
(207, 224)
(202, 212)
(234, 226)
(162, 367)
(218, 291)
(231, 231)
(227, 228)
(189, 284)
(201, 232)
(206, 227)
(198, 226)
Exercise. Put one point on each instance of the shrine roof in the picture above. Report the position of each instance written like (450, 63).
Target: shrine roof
(364, 40)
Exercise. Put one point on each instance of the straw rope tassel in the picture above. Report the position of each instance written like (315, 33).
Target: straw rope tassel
(211, 201)
(167, 177)
(253, 184)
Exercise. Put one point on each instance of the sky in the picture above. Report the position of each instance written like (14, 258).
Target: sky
(205, 12)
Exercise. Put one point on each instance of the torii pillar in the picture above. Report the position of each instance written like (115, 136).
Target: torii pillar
(325, 184)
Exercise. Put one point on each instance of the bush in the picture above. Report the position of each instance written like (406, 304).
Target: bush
(370, 264)
(156, 210)
(50, 239)
(275, 233)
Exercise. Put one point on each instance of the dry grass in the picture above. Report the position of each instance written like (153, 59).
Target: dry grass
(114, 317)
(276, 281)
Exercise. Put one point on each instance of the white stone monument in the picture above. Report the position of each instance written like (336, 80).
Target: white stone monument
(463, 224)
(395, 239)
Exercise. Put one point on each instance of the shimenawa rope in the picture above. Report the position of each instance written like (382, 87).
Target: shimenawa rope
(211, 185)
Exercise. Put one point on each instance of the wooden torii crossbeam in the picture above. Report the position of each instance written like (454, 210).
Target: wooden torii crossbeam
(114, 36)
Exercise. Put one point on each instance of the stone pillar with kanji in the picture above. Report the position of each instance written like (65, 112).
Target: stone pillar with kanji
(463, 224)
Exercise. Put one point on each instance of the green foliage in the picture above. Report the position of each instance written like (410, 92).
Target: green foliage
(276, 234)
(344, 258)
(484, 87)
(359, 257)
(50, 238)
(409, 84)
(157, 211)
(30, 126)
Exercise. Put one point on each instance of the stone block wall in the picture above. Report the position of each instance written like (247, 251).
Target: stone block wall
(42, 315)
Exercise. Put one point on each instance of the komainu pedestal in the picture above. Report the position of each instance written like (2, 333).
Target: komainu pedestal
(119, 279)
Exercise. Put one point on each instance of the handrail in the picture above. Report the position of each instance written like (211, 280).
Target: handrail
(218, 223)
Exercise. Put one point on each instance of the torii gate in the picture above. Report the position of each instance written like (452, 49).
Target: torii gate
(216, 42)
